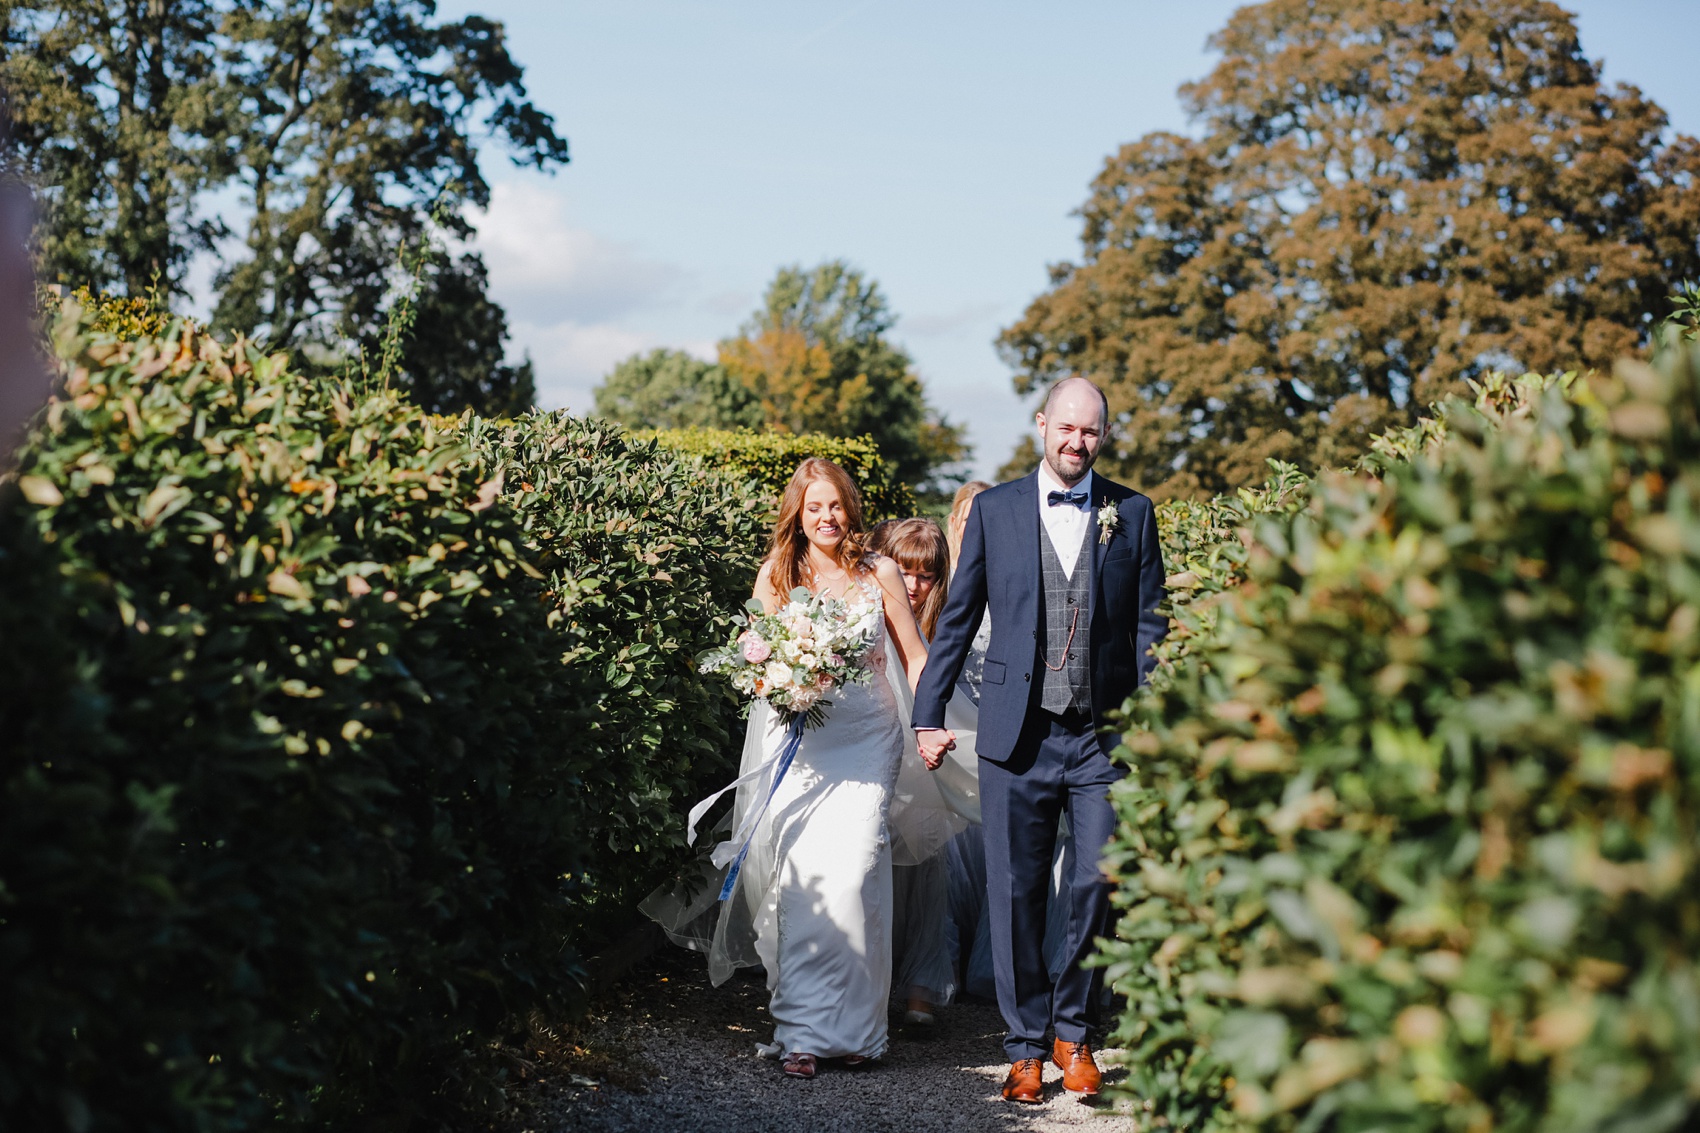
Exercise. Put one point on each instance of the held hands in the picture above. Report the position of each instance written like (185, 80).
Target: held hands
(933, 743)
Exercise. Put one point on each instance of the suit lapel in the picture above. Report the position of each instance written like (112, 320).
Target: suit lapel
(1027, 513)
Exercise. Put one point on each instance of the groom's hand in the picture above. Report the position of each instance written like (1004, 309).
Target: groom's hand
(933, 743)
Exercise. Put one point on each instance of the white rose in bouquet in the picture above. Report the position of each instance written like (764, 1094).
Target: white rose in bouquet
(795, 657)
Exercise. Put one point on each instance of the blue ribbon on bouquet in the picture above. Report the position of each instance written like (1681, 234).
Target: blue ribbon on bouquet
(746, 831)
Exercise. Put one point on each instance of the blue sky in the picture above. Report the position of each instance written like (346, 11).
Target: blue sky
(939, 146)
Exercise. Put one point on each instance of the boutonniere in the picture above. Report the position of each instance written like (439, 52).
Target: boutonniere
(1108, 517)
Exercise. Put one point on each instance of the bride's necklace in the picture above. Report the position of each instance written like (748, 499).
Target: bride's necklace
(840, 575)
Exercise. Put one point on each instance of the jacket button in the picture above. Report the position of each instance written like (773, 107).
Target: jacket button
(1027, 676)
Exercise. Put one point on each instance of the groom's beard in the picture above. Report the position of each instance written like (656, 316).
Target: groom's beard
(1086, 460)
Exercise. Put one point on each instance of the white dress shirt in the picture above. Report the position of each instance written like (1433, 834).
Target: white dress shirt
(1064, 524)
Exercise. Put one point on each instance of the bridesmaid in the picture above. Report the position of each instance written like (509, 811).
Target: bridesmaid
(969, 928)
(923, 967)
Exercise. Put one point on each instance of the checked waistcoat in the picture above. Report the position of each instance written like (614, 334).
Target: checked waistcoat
(1065, 599)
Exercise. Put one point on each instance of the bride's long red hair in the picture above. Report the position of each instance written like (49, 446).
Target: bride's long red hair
(788, 549)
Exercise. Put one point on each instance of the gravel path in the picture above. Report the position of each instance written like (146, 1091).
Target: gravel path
(685, 1053)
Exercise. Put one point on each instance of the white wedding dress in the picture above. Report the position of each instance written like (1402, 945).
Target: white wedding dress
(812, 904)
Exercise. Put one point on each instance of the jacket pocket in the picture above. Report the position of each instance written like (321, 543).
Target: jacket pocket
(993, 673)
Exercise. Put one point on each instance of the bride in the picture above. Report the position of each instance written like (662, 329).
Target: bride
(813, 902)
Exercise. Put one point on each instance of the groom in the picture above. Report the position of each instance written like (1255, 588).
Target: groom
(1068, 566)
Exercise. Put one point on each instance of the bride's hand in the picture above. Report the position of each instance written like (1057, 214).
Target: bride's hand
(932, 744)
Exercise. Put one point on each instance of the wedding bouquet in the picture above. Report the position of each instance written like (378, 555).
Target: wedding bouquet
(793, 657)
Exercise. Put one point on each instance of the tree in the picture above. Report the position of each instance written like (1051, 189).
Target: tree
(453, 357)
(347, 125)
(1385, 197)
(669, 389)
(120, 122)
(360, 131)
(817, 358)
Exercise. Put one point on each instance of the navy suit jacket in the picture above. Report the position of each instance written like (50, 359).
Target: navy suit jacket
(998, 571)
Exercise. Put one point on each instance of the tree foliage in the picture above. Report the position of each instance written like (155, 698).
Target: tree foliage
(345, 127)
(669, 389)
(767, 459)
(816, 355)
(1384, 198)
(813, 359)
(361, 126)
(453, 356)
(120, 119)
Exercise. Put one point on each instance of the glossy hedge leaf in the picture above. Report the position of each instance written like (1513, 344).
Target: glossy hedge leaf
(1419, 778)
(284, 811)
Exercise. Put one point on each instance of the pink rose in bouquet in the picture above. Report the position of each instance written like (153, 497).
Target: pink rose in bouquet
(795, 657)
(792, 658)
(756, 650)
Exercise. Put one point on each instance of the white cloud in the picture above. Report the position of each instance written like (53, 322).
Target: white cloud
(544, 269)
(578, 302)
(708, 349)
(573, 358)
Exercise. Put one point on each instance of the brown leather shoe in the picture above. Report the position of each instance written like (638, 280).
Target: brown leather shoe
(1080, 1073)
(1025, 1082)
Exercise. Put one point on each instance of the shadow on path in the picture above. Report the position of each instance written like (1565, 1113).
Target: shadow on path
(694, 1046)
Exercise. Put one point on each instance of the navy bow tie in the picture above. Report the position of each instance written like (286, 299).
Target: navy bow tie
(1072, 499)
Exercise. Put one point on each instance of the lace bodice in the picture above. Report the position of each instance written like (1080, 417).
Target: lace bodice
(876, 656)
(871, 595)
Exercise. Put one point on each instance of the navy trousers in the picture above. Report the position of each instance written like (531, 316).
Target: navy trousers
(1057, 768)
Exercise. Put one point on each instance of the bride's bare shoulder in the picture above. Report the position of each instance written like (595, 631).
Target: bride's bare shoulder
(764, 591)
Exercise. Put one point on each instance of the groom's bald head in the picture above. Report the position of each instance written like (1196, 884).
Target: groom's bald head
(1079, 386)
(1072, 426)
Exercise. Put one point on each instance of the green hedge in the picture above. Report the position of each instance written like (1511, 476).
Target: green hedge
(1411, 834)
(327, 743)
(654, 551)
(290, 814)
(770, 458)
